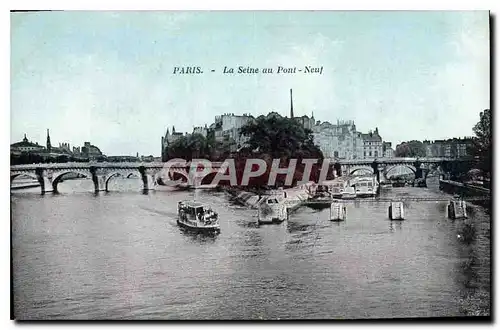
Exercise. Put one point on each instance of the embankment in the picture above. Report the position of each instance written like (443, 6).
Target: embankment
(293, 196)
(481, 194)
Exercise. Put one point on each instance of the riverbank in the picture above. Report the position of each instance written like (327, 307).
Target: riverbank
(24, 186)
(293, 196)
(467, 190)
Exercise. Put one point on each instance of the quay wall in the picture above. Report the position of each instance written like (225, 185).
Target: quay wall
(466, 190)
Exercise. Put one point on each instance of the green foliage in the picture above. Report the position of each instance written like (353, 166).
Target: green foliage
(481, 148)
(39, 158)
(280, 137)
(189, 147)
(412, 148)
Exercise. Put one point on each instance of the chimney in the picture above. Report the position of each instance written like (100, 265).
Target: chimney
(291, 104)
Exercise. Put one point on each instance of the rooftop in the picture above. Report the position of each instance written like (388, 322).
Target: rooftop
(25, 144)
(371, 137)
(192, 204)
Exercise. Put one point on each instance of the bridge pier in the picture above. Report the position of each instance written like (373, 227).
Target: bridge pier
(148, 178)
(45, 180)
(99, 178)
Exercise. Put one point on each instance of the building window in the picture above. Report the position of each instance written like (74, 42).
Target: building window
(364, 154)
(370, 153)
(376, 153)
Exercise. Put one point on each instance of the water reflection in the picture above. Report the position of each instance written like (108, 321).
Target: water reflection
(199, 237)
(395, 225)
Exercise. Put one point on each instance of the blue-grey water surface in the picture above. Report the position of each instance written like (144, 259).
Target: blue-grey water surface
(121, 255)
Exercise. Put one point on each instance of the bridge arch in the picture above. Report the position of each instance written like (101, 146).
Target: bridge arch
(15, 175)
(352, 171)
(392, 167)
(123, 173)
(58, 176)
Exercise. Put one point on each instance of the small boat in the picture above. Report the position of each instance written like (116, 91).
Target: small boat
(349, 193)
(197, 216)
(322, 197)
(272, 209)
(366, 186)
(337, 188)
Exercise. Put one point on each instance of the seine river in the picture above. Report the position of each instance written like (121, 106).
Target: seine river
(121, 255)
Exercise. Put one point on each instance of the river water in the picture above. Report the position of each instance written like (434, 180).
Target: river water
(121, 255)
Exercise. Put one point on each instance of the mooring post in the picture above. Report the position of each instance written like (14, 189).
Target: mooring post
(396, 211)
(457, 209)
(338, 212)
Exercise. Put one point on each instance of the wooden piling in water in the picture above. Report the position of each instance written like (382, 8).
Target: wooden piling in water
(396, 211)
(338, 212)
(457, 210)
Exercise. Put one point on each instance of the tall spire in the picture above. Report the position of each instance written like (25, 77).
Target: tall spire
(291, 104)
(49, 146)
(25, 138)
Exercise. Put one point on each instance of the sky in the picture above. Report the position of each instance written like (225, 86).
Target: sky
(107, 77)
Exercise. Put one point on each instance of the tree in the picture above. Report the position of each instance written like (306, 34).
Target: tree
(189, 147)
(412, 148)
(275, 137)
(481, 148)
(280, 137)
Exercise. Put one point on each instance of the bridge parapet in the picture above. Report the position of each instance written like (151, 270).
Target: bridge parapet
(49, 175)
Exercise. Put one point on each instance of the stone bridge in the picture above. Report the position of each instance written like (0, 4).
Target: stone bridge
(421, 167)
(152, 174)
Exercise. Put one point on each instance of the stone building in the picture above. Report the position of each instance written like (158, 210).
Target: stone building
(90, 151)
(373, 146)
(167, 140)
(450, 148)
(203, 130)
(387, 150)
(25, 146)
(340, 141)
(227, 129)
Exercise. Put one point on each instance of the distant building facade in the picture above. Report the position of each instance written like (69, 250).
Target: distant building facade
(227, 128)
(387, 150)
(343, 141)
(450, 148)
(336, 141)
(306, 122)
(167, 141)
(25, 146)
(90, 151)
(373, 146)
(202, 130)
(49, 151)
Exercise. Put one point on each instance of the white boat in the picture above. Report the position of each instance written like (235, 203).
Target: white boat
(272, 209)
(322, 197)
(366, 186)
(337, 187)
(197, 216)
(349, 193)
